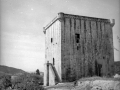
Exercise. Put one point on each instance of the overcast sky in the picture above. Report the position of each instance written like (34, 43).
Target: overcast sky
(22, 22)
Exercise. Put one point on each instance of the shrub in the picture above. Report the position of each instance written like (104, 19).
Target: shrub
(5, 82)
(27, 82)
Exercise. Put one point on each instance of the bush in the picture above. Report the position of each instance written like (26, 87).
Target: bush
(5, 82)
(27, 82)
(23, 81)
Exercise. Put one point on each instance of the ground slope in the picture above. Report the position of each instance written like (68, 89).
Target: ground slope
(10, 70)
(92, 83)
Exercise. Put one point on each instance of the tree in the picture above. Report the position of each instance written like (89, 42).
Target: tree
(37, 72)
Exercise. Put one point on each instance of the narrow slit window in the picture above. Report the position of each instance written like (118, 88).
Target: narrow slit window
(77, 47)
(51, 40)
(53, 61)
(77, 37)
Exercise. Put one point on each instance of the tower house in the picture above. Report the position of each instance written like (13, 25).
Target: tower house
(78, 46)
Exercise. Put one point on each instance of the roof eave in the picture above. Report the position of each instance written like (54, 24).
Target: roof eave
(58, 17)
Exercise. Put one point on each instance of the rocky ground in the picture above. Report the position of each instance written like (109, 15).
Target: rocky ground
(92, 83)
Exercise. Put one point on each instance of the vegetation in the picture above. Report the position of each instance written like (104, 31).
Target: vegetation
(10, 70)
(24, 81)
(5, 81)
(37, 72)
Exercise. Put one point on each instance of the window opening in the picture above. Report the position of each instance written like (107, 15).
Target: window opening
(77, 47)
(77, 37)
(53, 61)
(51, 40)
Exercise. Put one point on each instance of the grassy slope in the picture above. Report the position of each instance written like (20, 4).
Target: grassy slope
(10, 70)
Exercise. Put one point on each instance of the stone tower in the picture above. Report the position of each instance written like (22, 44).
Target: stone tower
(78, 46)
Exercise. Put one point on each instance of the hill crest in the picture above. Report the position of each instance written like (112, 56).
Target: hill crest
(10, 70)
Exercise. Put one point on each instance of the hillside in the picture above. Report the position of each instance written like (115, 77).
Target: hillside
(10, 70)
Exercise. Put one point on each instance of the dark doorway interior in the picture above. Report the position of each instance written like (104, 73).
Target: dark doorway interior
(98, 69)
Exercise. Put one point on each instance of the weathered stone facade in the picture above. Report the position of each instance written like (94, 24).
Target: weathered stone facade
(78, 46)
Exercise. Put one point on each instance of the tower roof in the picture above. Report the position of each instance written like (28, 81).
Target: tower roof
(62, 15)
